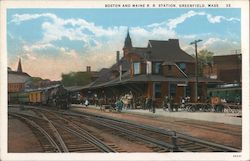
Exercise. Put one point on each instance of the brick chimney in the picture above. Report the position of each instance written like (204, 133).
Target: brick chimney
(174, 42)
(88, 68)
(117, 56)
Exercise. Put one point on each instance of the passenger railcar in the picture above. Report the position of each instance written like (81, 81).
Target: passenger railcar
(231, 93)
(13, 97)
(35, 97)
(23, 97)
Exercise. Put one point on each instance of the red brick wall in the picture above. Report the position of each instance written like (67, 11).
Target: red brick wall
(164, 89)
(192, 89)
(203, 87)
(179, 94)
(133, 57)
(190, 69)
(174, 72)
(210, 71)
(228, 67)
(150, 90)
(15, 87)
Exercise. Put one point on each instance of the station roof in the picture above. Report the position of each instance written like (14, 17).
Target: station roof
(79, 88)
(18, 77)
(142, 52)
(44, 88)
(168, 50)
(123, 62)
(138, 79)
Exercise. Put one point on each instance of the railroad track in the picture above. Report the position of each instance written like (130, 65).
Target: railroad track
(77, 130)
(56, 137)
(47, 142)
(160, 140)
(74, 121)
(165, 140)
(209, 127)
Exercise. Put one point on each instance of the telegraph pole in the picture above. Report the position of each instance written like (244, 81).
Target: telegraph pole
(196, 68)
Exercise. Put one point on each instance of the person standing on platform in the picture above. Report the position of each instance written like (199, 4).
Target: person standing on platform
(119, 105)
(165, 103)
(86, 103)
(183, 103)
(149, 103)
(153, 105)
(171, 104)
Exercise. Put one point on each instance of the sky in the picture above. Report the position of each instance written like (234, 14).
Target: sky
(55, 41)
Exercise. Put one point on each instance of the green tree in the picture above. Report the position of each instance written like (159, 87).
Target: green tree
(76, 79)
(205, 58)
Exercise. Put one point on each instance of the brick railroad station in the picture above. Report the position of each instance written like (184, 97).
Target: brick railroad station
(160, 69)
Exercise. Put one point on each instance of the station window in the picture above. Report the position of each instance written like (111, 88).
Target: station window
(188, 91)
(157, 68)
(200, 92)
(136, 68)
(172, 90)
(149, 67)
(182, 66)
(157, 87)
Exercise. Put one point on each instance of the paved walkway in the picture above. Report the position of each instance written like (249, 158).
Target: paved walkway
(227, 118)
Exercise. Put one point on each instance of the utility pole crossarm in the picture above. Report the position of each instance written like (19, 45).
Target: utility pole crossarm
(195, 42)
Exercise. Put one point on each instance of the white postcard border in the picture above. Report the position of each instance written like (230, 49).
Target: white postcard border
(244, 155)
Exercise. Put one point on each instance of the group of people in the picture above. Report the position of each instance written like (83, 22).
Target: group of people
(168, 103)
(127, 101)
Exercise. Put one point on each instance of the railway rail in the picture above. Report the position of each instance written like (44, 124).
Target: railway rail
(57, 137)
(175, 141)
(45, 139)
(208, 127)
(159, 140)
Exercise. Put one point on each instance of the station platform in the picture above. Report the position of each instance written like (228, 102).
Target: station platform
(226, 118)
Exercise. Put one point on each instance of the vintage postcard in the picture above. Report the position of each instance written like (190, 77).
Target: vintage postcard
(124, 80)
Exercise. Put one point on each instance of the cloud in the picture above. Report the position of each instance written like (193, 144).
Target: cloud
(211, 41)
(29, 56)
(18, 18)
(69, 52)
(191, 36)
(73, 29)
(37, 46)
(219, 46)
(52, 68)
(92, 35)
(172, 23)
(218, 19)
(99, 44)
(157, 24)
